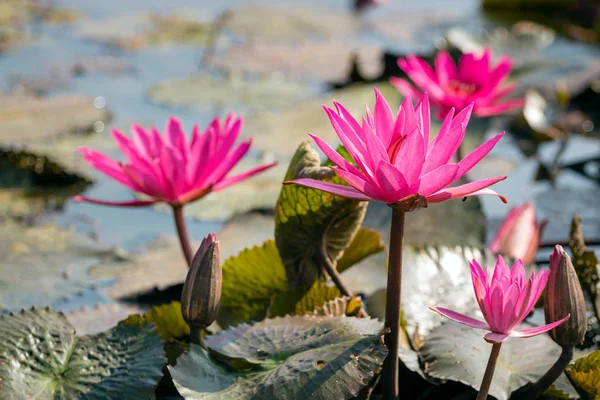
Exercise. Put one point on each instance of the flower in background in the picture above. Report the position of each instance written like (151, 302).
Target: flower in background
(474, 80)
(519, 235)
(170, 169)
(394, 159)
(505, 301)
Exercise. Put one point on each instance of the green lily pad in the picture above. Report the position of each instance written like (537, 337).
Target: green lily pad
(289, 22)
(303, 300)
(348, 306)
(167, 320)
(210, 92)
(309, 221)
(45, 264)
(41, 357)
(521, 361)
(585, 374)
(293, 357)
(89, 321)
(366, 243)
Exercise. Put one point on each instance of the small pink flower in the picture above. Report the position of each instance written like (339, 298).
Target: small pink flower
(394, 160)
(519, 235)
(504, 301)
(472, 81)
(170, 169)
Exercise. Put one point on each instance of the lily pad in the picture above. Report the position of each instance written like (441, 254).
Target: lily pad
(234, 91)
(521, 361)
(89, 321)
(303, 300)
(585, 374)
(293, 357)
(323, 60)
(167, 320)
(366, 243)
(269, 136)
(311, 224)
(290, 22)
(45, 264)
(41, 357)
(348, 306)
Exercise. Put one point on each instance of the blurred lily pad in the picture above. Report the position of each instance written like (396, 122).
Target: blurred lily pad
(167, 320)
(290, 22)
(521, 361)
(123, 362)
(267, 128)
(138, 30)
(89, 321)
(323, 60)
(585, 374)
(293, 357)
(45, 264)
(231, 91)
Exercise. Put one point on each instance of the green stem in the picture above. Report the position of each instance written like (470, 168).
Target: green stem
(549, 377)
(392, 306)
(184, 238)
(489, 372)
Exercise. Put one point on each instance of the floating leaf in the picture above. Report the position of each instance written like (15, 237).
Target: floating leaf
(585, 374)
(366, 243)
(41, 357)
(292, 357)
(303, 300)
(207, 91)
(311, 222)
(349, 306)
(250, 281)
(89, 321)
(167, 320)
(455, 352)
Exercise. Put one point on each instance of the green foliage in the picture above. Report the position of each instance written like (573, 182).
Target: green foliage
(584, 260)
(303, 301)
(40, 357)
(167, 319)
(311, 222)
(286, 358)
(366, 243)
(585, 375)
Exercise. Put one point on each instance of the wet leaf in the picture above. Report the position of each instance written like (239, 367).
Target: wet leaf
(366, 243)
(303, 300)
(124, 362)
(250, 281)
(521, 361)
(316, 357)
(167, 320)
(233, 91)
(311, 222)
(554, 393)
(89, 321)
(585, 374)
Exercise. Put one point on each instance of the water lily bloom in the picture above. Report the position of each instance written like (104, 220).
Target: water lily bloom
(170, 169)
(394, 160)
(473, 80)
(505, 300)
(519, 235)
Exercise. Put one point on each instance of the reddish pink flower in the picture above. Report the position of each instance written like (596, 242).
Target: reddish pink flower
(505, 301)
(519, 235)
(394, 160)
(170, 169)
(474, 80)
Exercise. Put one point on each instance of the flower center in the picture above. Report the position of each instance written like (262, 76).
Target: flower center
(461, 89)
(395, 148)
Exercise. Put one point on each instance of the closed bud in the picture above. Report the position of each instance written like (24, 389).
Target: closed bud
(201, 293)
(565, 297)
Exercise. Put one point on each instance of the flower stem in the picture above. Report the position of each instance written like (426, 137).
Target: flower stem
(196, 336)
(182, 232)
(489, 372)
(392, 306)
(549, 377)
(336, 277)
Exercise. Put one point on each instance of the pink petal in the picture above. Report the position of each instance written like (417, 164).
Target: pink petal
(227, 163)
(384, 120)
(494, 337)
(175, 137)
(444, 68)
(405, 88)
(460, 318)
(107, 166)
(538, 329)
(473, 158)
(410, 158)
(340, 190)
(345, 114)
(135, 203)
(231, 137)
(392, 182)
(498, 108)
(424, 113)
(143, 141)
(333, 155)
(242, 176)
(470, 189)
(421, 74)
(506, 227)
(438, 179)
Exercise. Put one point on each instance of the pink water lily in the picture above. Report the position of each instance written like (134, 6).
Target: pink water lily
(473, 80)
(170, 169)
(505, 301)
(394, 160)
(519, 235)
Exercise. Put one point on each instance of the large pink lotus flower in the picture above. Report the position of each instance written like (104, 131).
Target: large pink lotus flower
(519, 235)
(394, 160)
(170, 169)
(474, 80)
(504, 301)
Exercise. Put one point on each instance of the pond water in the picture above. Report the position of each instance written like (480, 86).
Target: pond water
(126, 96)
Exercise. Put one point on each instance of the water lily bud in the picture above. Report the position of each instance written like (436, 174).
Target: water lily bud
(519, 235)
(201, 293)
(565, 297)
